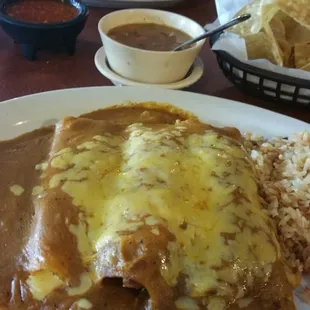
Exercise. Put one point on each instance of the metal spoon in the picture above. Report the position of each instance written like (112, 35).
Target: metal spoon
(233, 22)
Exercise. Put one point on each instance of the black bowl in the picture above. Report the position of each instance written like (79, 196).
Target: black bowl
(35, 36)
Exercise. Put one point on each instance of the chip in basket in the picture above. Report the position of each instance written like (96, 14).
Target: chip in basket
(306, 68)
(297, 9)
(258, 46)
(294, 32)
(276, 34)
(260, 13)
(302, 55)
(279, 30)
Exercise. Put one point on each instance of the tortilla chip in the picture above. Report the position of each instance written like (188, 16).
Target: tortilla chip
(294, 32)
(298, 34)
(286, 48)
(276, 32)
(279, 34)
(277, 28)
(306, 67)
(302, 54)
(261, 13)
(287, 21)
(279, 31)
(297, 9)
(259, 47)
(291, 59)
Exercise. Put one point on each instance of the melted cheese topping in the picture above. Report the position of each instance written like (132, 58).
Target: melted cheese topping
(85, 285)
(200, 186)
(37, 190)
(17, 190)
(185, 303)
(83, 303)
(42, 283)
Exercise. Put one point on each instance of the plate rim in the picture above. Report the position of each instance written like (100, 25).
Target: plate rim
(89, 88)
(47, 108)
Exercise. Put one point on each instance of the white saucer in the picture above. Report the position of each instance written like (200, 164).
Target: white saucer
(103, 66)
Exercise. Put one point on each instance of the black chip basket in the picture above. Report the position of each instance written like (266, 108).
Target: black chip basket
(263, 83)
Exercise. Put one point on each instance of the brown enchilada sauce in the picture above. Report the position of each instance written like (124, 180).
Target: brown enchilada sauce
(18, 213)
(149, 36)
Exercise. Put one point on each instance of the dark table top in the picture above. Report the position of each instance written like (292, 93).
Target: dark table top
(51, 70)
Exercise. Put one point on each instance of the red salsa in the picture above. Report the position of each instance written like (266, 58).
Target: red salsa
(42, 11)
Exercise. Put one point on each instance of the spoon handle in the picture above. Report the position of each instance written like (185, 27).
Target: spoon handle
(233, 22)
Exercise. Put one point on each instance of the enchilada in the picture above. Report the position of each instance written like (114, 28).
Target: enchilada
(136, 207)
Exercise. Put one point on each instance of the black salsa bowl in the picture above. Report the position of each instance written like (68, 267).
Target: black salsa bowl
(33, 36)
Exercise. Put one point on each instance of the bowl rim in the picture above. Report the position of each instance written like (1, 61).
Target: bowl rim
(135, 49)
(82, 15)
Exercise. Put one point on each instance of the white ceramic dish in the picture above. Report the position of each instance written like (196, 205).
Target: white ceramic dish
(23, 114)
(30, 112)
(149, 66)
(101, 62)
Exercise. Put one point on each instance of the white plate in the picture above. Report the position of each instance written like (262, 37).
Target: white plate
(26, 113)
(30, 112)
(103, 67)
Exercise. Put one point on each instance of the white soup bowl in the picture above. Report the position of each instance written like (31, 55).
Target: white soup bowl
(143, 65)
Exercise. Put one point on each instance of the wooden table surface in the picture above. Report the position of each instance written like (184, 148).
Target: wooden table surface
(51, 71)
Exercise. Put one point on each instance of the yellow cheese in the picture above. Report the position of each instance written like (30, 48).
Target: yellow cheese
(42, 283)
(155, 231)
(201, 186)
(62, 160)
(83, 303)
(185, 303)
(37, 190)
(42, 166)
(217, 304)
(85, 285)
(63, 151)
(80, 231)
(17, 190)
